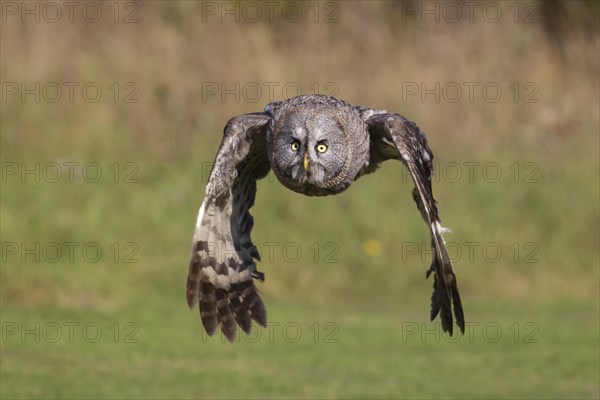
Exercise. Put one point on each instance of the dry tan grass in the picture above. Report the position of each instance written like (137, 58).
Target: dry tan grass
(367, 54)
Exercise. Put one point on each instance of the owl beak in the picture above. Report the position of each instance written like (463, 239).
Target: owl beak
(305, 161)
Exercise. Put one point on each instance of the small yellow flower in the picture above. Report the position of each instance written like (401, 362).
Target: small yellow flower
(372, 247)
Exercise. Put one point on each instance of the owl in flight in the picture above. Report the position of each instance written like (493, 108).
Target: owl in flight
(316, 145)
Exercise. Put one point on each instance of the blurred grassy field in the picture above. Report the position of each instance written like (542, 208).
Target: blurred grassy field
(345, 290)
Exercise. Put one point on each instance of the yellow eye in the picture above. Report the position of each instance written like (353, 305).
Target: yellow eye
(295, 146)
(321, 147)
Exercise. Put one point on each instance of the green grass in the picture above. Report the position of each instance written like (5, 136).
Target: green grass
(338, 352)
(532, 328)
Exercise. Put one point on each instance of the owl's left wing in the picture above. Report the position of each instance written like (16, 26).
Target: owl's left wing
(394, 137)
(222, 265)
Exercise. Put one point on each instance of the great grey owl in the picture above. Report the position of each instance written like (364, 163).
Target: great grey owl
(316, 145)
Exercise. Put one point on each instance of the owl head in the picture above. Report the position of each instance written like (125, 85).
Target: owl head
(318, 149)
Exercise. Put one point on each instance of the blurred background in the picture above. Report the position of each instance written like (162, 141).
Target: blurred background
(112, 113)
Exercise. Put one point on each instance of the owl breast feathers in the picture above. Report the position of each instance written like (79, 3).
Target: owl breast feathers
(316, 145)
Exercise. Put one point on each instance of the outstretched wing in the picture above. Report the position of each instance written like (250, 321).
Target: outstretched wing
(395, 137)
(222, 265)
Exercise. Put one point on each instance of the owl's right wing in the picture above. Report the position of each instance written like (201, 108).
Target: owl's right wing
(222, 265)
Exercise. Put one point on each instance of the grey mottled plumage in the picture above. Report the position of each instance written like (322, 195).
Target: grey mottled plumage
(316, 145)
